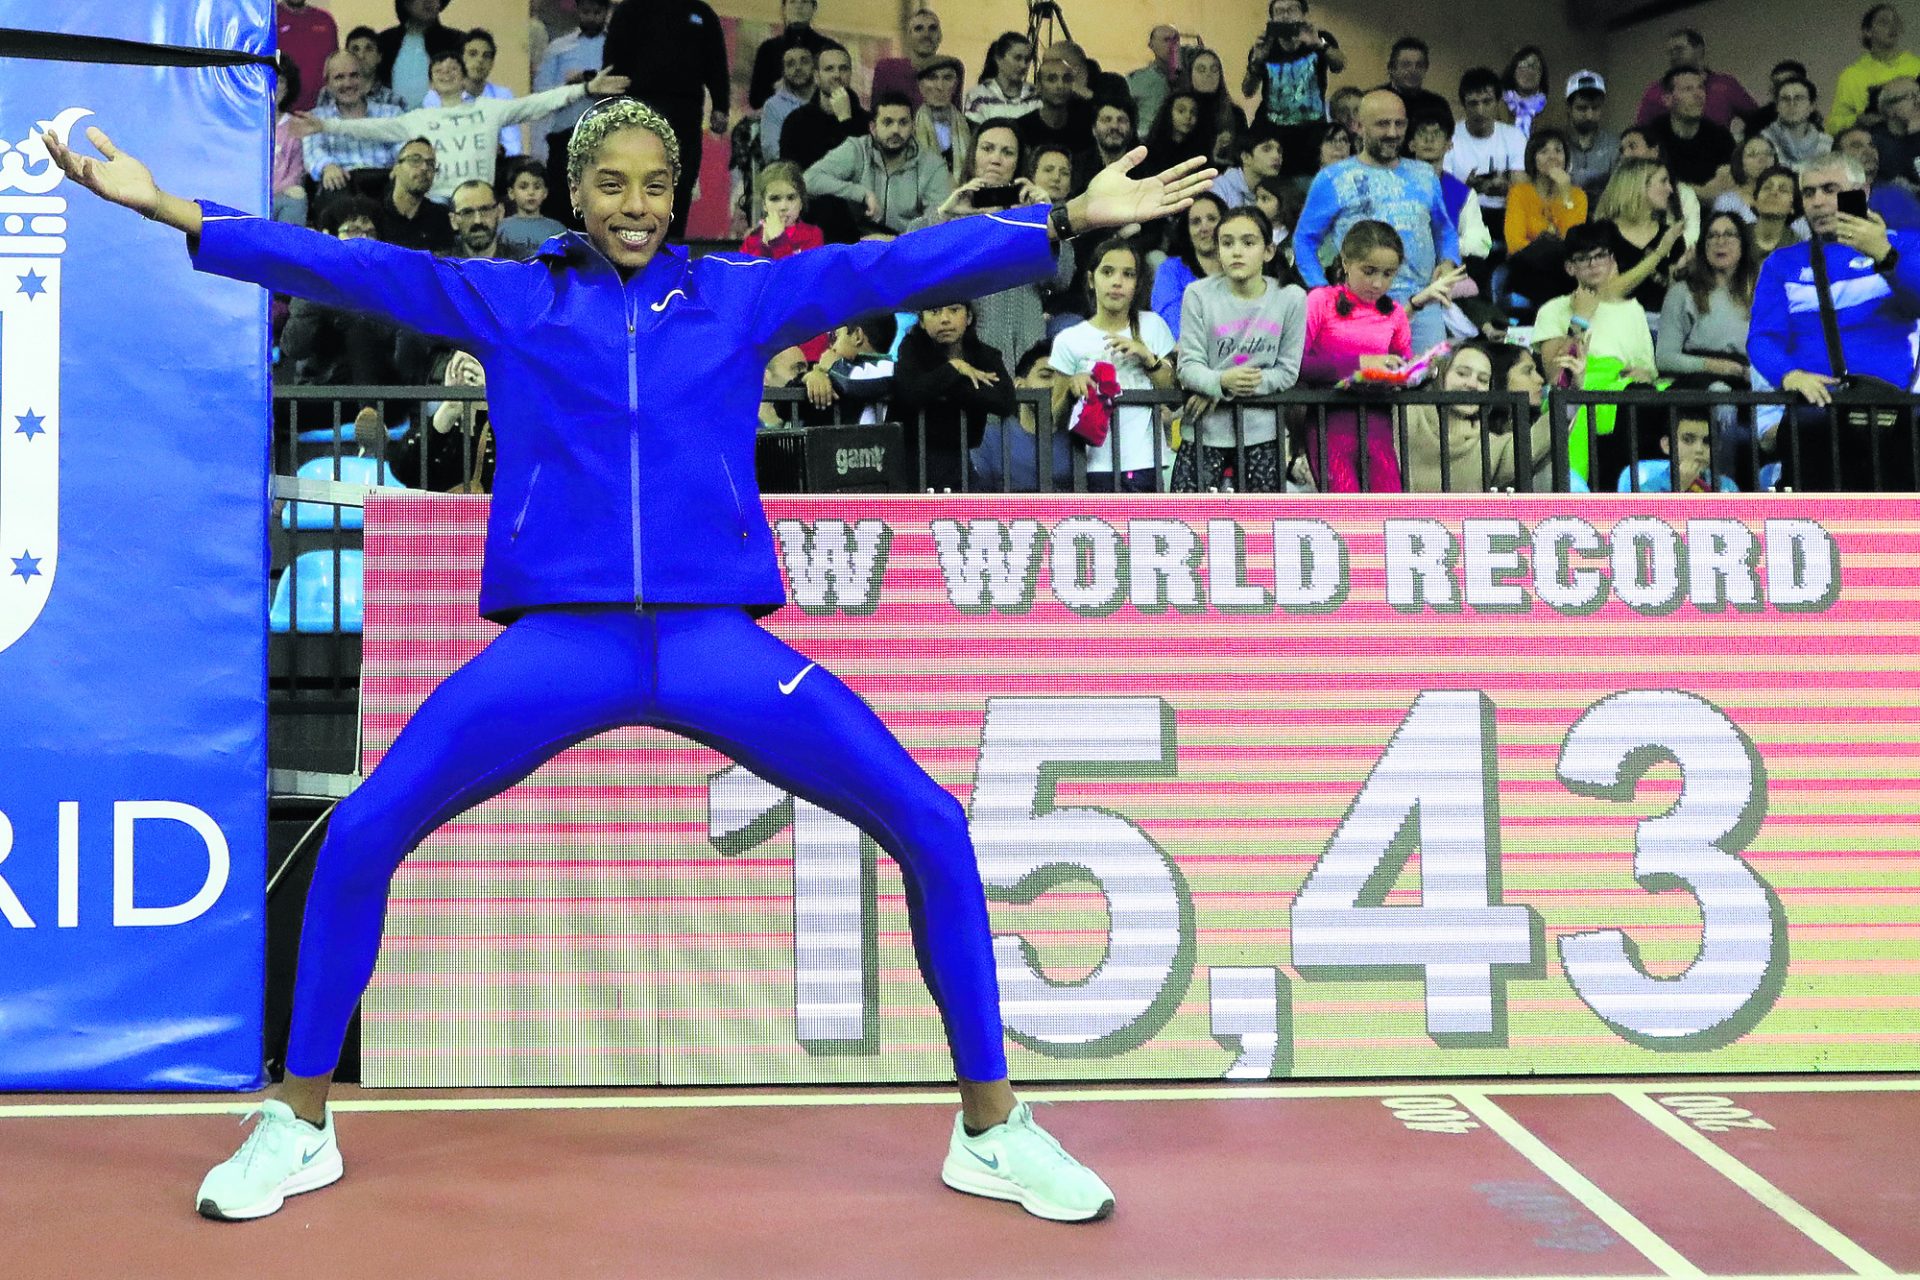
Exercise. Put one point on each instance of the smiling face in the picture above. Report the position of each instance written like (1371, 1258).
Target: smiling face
(447, 77)
(1383, 126)
(1408, 70)
(1203, 227)
(1469, 371)
(346, 80)
(1688, 97)
(625, 197)
(1112, 128)
(996, 154)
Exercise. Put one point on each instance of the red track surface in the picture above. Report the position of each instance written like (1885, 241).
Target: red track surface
(1236, 1186)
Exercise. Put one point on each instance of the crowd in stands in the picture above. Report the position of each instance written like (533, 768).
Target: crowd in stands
(1513, 233)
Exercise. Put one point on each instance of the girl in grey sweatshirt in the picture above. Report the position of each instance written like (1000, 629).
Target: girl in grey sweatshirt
(1241, 336)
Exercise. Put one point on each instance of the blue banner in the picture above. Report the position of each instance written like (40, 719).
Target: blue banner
(133, 482)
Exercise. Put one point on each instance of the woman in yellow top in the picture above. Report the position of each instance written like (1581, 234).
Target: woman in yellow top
(1884, 60)
(1549, 201)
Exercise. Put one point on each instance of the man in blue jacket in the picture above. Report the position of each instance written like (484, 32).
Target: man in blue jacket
(1874, 281)
(628, 555)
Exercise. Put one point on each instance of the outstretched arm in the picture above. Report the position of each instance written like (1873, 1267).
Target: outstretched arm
(810, 293)
(435, 295)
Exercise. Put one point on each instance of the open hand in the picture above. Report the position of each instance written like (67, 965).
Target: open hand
(117, 177)
(1113, 199)
(978, 377)
(607, 85)
(1814, 388)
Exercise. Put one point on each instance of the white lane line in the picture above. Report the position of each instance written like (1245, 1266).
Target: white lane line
(1804, 1219)
(921, 1097)
(1576, 1184)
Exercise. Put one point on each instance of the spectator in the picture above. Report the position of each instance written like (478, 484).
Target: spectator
(1795, 135)
(410, 218)
(573, 58)
(1207, 77)
(1287, 69)
(1591, 150)
(1352, 325)
(780, 232)
(1609, 332)
(364, 44)
(1750, 159)
(1336, 144)
(1407, 67)
(939, 125)
(1260, 157)
(1007, 459)
(1875, 287)
(1343, 109)
(1776, 210)
(1890, 200)
(1637, 143)
(1280, 201)
(902, 75)
(477, 56)
(1148, 87)
(1488, 155)
(795, 90)
(1062, 117)
(1703, 325)
(1138, 345)
(475, 216)
(886, 180)
(1695, 147)
(769, 60)
(1244, 333)
(1113, 137)
(1725, 98)
(288, 180)
(1014, 319)
(1688, 466)
(1050, 166)
(833, 116)
(1523, 87)
(946, 384)
(1176, 134)
(336, 161)
(1645, 242)
(1880, 32)
(1429, 142)
(526, 227)
(1193, 253)
(675, 55)
(1897, 137)
(308, 37)
(1004, 92)
(1479, 443)
(1540, 212)
(324, 346)
(1090, 83)
(856, 368)
(1444, 442)
(463, 136)
(1379, 185)
(408, 47)
(1763, 118)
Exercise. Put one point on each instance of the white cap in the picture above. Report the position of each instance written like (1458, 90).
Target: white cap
(1586, 82)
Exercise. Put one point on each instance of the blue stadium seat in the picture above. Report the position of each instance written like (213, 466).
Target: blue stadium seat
(312, 575)
(319, 515)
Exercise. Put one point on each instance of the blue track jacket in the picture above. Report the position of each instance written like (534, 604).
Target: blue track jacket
(624, 412)
(1876, 312)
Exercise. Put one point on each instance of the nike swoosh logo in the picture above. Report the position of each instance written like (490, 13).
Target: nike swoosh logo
(662, 304)
(788, 686)
(308, 1158)
(991, 1164)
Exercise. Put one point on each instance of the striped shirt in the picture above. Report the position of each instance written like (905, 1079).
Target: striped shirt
(323, 149)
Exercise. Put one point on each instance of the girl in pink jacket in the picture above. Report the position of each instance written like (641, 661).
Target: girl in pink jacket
(1354, 325)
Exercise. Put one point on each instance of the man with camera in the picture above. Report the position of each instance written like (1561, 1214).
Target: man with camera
(1288, 68)
(1842, 321)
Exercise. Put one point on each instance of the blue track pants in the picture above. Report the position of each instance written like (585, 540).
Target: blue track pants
(556, 677)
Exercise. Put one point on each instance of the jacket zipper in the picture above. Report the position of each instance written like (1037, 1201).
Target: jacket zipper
(739, 508)
(526, 503)
(633, 434)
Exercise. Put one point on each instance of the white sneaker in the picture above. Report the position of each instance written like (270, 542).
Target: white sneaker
(283, 1156)
(1020, 1161)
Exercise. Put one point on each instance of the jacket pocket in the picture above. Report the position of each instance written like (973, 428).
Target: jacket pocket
(525, 503)
(739, 509)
